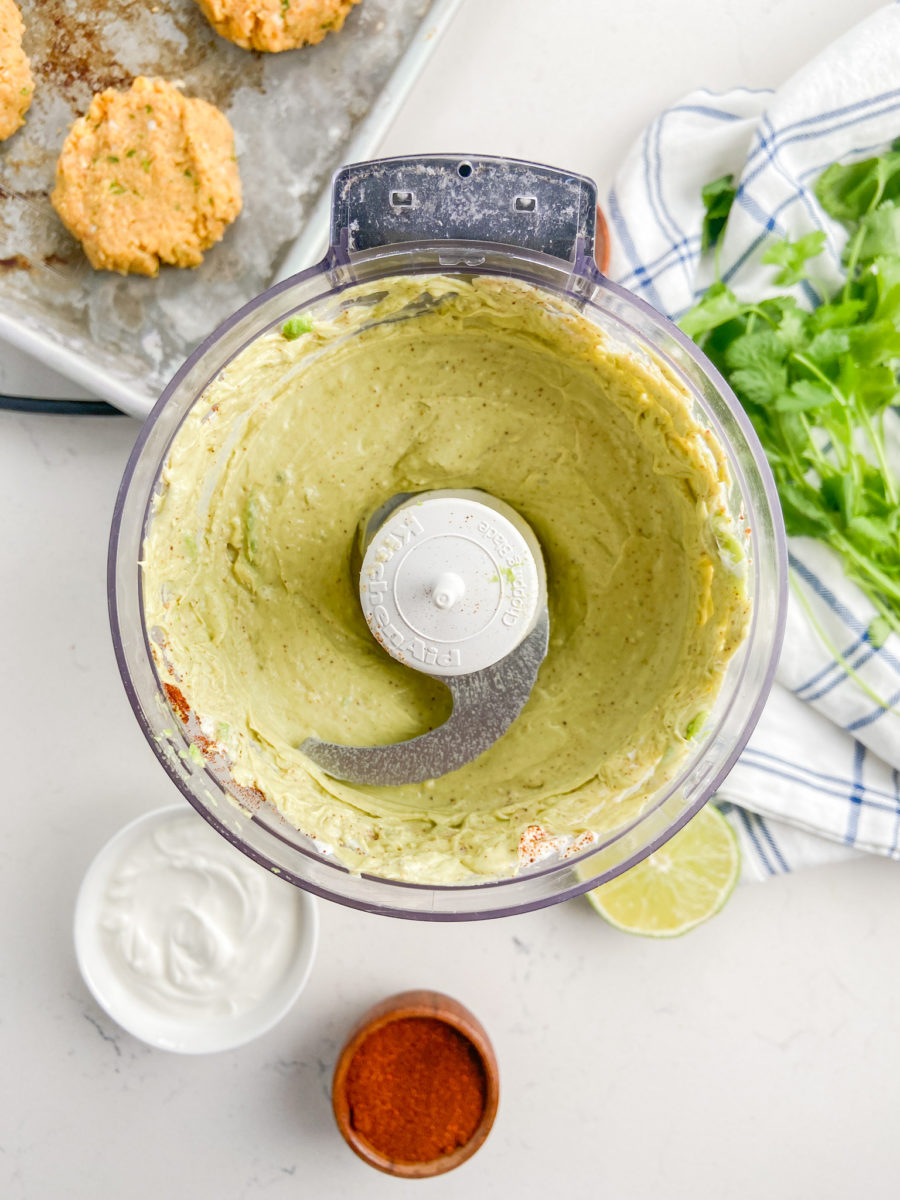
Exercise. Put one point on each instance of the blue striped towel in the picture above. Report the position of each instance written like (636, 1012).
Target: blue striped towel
(819, 779)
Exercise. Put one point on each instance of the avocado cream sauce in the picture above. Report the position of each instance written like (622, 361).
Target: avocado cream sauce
(251, 565)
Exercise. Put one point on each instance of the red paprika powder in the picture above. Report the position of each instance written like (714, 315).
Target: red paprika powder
(416, 1089)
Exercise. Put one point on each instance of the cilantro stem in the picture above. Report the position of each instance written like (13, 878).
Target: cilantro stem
(891, 617)
(876, 441)
(853, 249)
(790, 450)
(823, 465)
(820, 375)
(844, 453)
(870, 568)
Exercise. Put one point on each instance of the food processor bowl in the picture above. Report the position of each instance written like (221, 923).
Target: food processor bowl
(452, 215)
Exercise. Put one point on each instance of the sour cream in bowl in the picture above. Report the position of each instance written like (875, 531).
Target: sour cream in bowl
(186, 943)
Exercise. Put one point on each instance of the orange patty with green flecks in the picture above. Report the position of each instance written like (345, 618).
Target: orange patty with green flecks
(16, 84)
(148, 176)
(275, 25)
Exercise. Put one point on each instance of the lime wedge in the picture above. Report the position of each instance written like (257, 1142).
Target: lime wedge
(681, 885)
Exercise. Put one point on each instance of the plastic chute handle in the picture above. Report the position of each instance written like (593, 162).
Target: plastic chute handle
(503, 201)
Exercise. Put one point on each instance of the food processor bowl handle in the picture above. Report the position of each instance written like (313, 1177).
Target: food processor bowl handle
(457, 198)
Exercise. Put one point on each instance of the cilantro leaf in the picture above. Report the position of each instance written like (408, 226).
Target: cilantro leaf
(756, 350)
(840, 494)
(874, 530)
(875, 342)
(793, 256)
(718, 198)
(879, 281)
(878, 631)
(842, 312)
(828, 346)
(849, 192)
(870, 388)
(792, 326)
(804, 396)
(879, 233)
(718, 305)
(803, 513)
(762, 384)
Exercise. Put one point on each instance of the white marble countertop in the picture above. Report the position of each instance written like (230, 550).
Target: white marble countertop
(759, 1056)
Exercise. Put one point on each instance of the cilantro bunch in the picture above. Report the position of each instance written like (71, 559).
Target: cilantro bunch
(819, 386)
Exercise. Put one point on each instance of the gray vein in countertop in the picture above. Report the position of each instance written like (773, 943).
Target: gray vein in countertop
(107, 1037)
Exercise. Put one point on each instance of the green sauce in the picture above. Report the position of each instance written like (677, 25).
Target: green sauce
(251, 565)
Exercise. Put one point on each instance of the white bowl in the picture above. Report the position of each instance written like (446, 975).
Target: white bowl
(117, 991)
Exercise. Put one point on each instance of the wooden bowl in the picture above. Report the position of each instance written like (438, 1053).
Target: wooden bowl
(416, 1004)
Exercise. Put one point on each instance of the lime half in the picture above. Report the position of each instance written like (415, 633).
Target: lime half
(679, 886)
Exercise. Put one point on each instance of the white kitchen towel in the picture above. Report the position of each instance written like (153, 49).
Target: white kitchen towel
(826, 754)
(772, 847)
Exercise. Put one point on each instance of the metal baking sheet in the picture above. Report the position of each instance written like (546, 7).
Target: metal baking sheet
(297, 116)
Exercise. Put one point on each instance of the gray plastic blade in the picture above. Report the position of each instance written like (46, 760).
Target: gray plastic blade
(485, 704)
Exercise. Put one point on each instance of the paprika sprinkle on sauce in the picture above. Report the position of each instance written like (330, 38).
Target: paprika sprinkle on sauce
(416, 1089)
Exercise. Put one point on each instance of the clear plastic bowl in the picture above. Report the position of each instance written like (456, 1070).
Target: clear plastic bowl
(252, 824)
